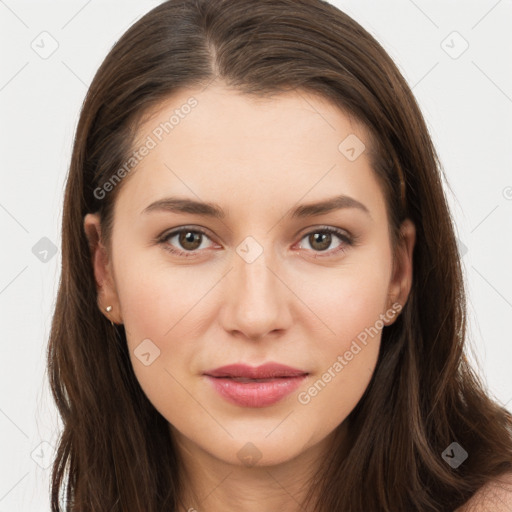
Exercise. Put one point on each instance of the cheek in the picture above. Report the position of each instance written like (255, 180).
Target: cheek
(351, 305)
(156, 299)
(159, 306)
(154, 308)
(350, 299)
(345, 362)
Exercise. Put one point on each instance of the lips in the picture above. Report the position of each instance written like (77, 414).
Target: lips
(265, 371)
(247, 386)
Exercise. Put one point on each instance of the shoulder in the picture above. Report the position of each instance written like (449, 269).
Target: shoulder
(495, 496)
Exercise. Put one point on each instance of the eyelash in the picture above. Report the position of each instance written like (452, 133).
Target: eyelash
(347, 240)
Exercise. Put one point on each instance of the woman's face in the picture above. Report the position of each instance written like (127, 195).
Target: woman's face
(260, 282)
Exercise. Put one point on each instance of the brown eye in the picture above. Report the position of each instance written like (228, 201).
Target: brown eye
(189, 240)
(188, 243)
(321, 239)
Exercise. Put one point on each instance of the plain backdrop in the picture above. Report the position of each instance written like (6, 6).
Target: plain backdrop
(455, 55)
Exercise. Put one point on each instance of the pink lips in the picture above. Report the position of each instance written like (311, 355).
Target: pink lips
(260, 386)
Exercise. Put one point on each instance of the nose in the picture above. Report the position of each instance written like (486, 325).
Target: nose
(257, 298)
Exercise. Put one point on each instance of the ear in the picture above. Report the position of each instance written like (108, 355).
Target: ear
(102, 264)
(401, 280)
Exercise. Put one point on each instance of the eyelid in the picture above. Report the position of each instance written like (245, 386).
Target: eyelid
(162, 239)
(347, 239)
(342, 233)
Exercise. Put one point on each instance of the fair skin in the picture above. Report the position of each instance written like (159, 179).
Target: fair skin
(258, 160)
(496, 496)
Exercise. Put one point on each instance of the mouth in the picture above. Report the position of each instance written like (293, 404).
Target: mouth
(265, 371)
(245, 379)
(261, 386)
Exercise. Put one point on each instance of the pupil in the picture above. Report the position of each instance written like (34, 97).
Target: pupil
(323, 239)
(189, 237)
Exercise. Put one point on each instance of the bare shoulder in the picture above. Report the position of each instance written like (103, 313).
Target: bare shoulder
(496, 496)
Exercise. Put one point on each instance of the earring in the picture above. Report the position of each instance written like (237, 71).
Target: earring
(109, 309)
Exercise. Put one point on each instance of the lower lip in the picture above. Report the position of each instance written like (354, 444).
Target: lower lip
(255, 393)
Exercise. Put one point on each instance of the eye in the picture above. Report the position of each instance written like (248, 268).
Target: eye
(188, 238)
(321, 239)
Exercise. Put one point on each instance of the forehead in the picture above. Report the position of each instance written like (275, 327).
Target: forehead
(218, 112)
(219, 143)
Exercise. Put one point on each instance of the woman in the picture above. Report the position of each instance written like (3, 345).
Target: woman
(261, 304)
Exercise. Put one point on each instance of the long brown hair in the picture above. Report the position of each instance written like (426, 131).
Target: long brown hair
(116, 452)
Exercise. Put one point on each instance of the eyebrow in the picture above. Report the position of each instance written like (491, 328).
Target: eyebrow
(185, 205)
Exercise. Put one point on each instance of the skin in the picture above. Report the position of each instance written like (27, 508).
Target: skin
(257, 159)
(495, 495)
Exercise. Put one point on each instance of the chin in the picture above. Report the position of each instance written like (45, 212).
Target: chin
(261, 449)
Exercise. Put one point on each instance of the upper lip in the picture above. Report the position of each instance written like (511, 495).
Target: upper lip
(265, 371)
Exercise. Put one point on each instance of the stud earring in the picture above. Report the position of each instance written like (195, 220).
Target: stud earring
(108, 309)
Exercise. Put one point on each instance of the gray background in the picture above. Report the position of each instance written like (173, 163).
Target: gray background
(465, 95)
